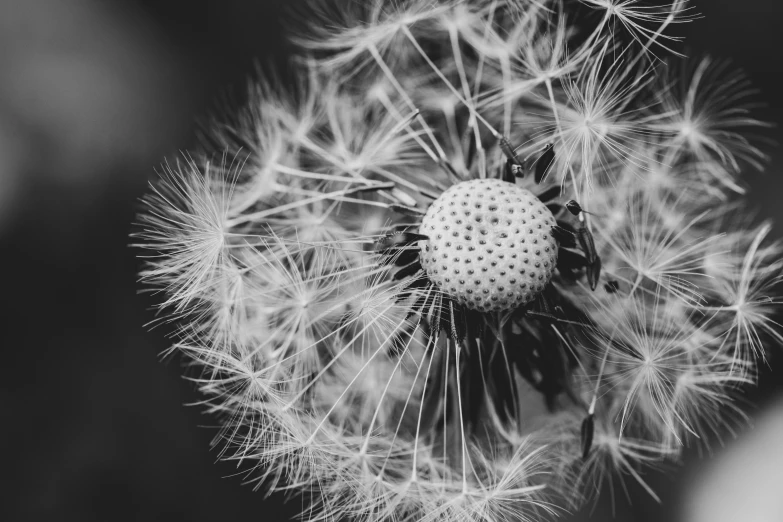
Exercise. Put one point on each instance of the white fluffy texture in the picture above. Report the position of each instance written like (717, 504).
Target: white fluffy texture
(490, 244)
(347, 374)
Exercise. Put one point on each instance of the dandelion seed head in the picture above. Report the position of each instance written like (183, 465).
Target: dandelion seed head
(481, 261)
(490, 244)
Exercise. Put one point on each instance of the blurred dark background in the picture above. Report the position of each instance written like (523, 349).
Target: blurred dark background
(93, 95)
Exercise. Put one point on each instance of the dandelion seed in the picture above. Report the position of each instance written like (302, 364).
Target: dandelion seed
(187, 229)
(645, 23)
(658, 245)
(745, 293)
(709, 116)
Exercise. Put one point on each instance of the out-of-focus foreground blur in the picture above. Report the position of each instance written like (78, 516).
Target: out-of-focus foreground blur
(94, 94)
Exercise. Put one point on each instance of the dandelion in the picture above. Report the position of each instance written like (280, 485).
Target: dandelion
(474, 265)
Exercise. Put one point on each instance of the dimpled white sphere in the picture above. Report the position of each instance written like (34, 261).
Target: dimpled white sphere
(490, 245)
